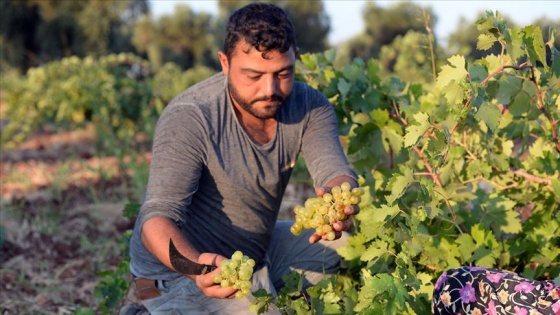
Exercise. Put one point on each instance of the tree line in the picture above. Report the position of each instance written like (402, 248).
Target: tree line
(35, 32)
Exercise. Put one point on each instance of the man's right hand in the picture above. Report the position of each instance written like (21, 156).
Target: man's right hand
(206, 282)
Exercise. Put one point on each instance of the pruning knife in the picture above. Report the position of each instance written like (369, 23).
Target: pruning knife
(184, 265)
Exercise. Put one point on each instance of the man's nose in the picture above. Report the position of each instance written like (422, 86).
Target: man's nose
(270, 85)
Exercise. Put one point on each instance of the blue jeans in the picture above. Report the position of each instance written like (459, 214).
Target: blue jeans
(286, 253)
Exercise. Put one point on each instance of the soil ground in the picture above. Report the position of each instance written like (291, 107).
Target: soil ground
(61, 221)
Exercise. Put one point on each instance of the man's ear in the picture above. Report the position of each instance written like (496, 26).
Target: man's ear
(224, 62)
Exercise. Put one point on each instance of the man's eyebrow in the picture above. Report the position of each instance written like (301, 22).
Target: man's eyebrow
(290, 67)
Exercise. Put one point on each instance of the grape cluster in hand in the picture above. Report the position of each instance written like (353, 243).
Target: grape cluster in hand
(236, 272)
(320, 213)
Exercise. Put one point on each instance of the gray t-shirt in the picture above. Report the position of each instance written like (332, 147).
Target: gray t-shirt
(221, 188)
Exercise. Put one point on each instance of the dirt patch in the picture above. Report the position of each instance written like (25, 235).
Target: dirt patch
(61, 220)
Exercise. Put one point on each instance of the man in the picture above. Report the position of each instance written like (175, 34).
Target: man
(222, 156)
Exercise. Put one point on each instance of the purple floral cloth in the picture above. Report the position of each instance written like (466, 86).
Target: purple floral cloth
(480, 291)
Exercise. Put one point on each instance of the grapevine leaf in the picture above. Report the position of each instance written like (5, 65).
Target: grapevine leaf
(556, 189)
(343, 86)
(394, 139)
(330, 55)
(490, 114)
(477, 72)
(487, 247)
(373, 71)
(398, 184)
(416, 129)
(390, 288)
(466, 246)
(509, 86)
(485, 42)
(500, 215)
(514, 46)
(379, 116)
(454, 93)
(354, 249)
(555, 56)
(478, 168)
(362, 134)
(520, 105)
(486, 23)
(493, 62)
(385, 213)
(375, 251)
(483, 257)
(454, 72)
(535, 45)
(309, 61)
(352, 72)
(261, 301)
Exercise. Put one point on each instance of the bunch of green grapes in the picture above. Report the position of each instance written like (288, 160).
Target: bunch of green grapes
(320, 213)
(236, 272)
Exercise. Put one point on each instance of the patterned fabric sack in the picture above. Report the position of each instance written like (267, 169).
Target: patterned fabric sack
(478, 291)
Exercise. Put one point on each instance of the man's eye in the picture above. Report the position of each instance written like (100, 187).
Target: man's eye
(254, 77)
(285, 75)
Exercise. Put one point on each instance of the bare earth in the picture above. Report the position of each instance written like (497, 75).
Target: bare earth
(61, 221)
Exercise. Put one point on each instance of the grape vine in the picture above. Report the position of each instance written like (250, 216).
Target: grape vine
(462, 172)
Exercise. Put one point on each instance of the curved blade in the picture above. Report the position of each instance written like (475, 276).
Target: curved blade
(184, 265)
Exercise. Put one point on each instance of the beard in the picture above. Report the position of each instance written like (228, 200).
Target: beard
(267, 112)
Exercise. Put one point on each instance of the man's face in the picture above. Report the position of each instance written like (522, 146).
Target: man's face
(257, 85)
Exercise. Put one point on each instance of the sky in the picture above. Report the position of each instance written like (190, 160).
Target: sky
(346, 17)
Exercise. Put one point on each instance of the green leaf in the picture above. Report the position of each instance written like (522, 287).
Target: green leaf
(515, 45)
(555, 55)
(456, 71)
(375, 251)
(485, 42)
(454, 93)
(478, 168)
(520, 105)
(355, 247)
(477, 72)
(487, 247)
(535, 45)
(398, 184)
(486, 22)
(416, 129)
(385, 213)
(490, 114)
(508, 87)
(466, 246)
(556, 189)
(352, 72)
(309, 61)
(500, 215)
(344, 87)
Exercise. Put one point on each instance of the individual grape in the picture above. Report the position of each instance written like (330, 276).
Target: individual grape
(237, 256)
(320, 213)
(236, 273)
(336, 190)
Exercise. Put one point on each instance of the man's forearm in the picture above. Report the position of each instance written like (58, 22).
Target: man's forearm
(156, 233)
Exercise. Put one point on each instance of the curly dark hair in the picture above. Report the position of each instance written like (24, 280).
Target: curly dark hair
(264, 26)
